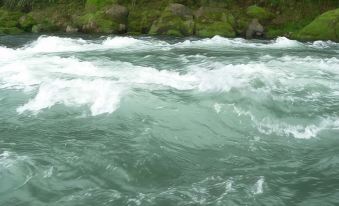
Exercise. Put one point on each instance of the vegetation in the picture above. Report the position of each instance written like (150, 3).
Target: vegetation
(205, 18)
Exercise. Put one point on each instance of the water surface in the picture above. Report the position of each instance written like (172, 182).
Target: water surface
(89, 120)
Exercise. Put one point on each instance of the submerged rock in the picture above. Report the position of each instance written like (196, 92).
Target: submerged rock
(255, 29)
(175, 20)
(211, 21)
(324, 27)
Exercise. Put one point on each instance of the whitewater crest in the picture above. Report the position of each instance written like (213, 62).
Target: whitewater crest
(54, 44)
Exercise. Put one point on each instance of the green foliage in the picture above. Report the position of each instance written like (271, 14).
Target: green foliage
(259, 13)
(326, 26)
(24, 5)
(212, 21)
(173, 24)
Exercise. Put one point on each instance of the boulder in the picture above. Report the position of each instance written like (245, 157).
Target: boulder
(141, 20)
(118, 13)
(324, 27)
(26, 22)
(70, 29)
(180, 10)
(9, 19)
(175, 20)
(255, 30)
(44, 26)
(91, 27)
(96, 23)
(10, 30)
(211, 21)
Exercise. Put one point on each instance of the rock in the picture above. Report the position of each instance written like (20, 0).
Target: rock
(96, 23)
(118, 13)
(44, 27)
(211, 21)
(255, 30)
(26, 22)
(90, 27)
(259, 13)
(10, 30)
(9, 19)
(36, 28)
(70, 29)
(122, 28)
(175, 20)
(180, 10)
(141, 20)
(95, 5)
(324, 27)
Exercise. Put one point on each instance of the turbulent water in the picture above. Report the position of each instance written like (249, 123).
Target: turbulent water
(163, 121)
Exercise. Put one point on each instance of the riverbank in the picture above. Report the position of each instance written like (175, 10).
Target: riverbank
(309, 20)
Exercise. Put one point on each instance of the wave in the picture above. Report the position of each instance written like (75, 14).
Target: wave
(270, 126)
(53, 44)
(74, 82)
(218, 41)
(101, 84)
(101, 96)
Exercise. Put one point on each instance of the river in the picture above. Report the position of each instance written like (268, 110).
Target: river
(119, 120)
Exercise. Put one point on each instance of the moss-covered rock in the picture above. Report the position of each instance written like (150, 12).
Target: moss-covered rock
(117, 13)
(10, 30)
(94, 5)
(324, 27)
(214, 21)
(259, 13)
(45, 26)
(140, 20)
(96, 23)
(9, 19)
(27, 22)
(175, 20)
(255, 30)
(108, 19)
(9, 22)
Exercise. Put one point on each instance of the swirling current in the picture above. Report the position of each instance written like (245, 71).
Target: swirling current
(151, 121)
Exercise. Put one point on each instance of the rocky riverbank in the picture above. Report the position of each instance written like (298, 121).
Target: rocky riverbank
(250, 19)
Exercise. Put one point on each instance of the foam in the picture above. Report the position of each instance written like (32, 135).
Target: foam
(60, 80)
(73, 82)
(6, 54)
(121, 42)
(323, 44)
(258, 187)
(53, 44)
(298, 131)
(278, 127)
(9, 159)
(218, 41)
(37, 69)
(101, 96)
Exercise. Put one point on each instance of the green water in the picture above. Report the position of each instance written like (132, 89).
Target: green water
(159, 121)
